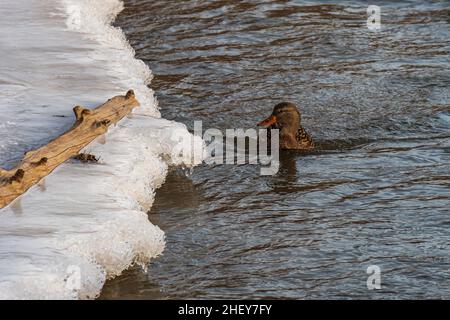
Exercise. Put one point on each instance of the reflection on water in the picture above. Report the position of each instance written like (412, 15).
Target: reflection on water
(377, 191)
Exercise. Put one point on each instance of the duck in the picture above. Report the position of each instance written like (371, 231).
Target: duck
(286, 117)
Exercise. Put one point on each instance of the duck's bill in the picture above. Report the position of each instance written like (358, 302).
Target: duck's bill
(268, 122)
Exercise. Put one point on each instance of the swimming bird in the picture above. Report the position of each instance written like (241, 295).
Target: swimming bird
(286, 117)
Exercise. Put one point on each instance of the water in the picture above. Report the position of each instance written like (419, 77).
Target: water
(376, 193)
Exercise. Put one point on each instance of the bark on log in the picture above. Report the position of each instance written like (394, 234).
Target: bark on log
(37, 164)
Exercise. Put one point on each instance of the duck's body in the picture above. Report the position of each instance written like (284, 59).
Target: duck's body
(286, 117)
(304, 140)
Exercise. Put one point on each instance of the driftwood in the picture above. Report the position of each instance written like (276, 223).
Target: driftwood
(36, 164)
(86, 158)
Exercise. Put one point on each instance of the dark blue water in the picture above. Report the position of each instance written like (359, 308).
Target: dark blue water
(377, 193)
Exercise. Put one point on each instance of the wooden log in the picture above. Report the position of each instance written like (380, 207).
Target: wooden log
(36, 164)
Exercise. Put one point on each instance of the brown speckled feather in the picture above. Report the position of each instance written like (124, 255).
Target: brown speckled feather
(304, 139)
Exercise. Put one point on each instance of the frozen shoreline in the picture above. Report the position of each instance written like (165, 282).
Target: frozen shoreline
(87, 218)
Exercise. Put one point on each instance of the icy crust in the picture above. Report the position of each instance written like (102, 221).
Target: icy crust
(86, 223)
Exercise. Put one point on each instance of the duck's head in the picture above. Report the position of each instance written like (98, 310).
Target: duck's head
(285, 116)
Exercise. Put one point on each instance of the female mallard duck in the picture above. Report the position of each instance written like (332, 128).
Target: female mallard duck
(286, 117)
